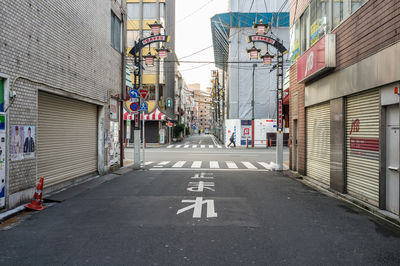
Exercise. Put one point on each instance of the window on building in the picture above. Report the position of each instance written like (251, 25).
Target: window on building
(305, 31)
(149, 11)
(356, 4)
(115, 32)
(133, 11)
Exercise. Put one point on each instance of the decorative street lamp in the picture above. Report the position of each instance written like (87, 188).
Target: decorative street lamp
(253, 52)
(149, 59)
(162, 52)
(261, 36)
(155, 28)
(261, 27)
(267, 58)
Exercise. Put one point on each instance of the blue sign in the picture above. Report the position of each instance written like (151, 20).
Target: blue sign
(134, 107)
(144, 107)
(134, 93)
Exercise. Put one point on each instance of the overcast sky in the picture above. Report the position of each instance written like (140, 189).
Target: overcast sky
(193, 33)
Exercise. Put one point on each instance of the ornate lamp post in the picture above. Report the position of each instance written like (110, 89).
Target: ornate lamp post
(261, 36)
(155, 37)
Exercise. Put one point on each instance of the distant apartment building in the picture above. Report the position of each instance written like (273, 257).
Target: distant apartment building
(61, 80)
(203, 102)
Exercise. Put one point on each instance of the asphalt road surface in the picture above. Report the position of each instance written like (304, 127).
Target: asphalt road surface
(199, 216)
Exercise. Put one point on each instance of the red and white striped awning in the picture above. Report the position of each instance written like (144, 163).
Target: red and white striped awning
(153, 116)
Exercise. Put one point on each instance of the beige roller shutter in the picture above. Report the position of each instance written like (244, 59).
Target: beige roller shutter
(318, 143)
(362, 146)
(67, 138)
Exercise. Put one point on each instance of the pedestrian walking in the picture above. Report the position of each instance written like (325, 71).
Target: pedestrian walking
(232, 140)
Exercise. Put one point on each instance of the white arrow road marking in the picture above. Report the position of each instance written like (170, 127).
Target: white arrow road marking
(231, 165)
(214, 164)
(196, 164)
(179, 164)
(249, 165)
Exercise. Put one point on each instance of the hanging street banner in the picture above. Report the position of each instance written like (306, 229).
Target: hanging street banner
(143, 107)
(268, 40)
(133, 93)
(143, 93)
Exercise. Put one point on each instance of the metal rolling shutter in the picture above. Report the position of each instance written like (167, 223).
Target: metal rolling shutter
(362, 146)
(67, 138)
(318, 143)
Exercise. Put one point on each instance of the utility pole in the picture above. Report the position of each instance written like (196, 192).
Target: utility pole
(123, 85)
(137, 138)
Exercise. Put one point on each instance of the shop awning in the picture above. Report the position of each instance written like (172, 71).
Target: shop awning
(156, 115)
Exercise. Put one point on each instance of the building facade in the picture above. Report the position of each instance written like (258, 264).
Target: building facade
(158, 79)
(230, 32)
(60, 83)
(344, 105)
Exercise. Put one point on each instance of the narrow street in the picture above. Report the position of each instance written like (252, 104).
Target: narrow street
(170, 215)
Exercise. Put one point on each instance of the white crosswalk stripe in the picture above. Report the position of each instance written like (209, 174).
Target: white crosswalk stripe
(194, 146)
(196, 164)
(179, 164)
(202, 146)
(186, 146)
(211, 146)
(249, 165)
(219, 146)
(214, 164)
(265, 165)
(170, 146)
(231, 165)
(178, 146)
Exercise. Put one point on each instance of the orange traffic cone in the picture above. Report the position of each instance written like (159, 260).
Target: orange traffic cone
(36, 202)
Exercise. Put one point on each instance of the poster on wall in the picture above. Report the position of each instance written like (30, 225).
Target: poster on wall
(22, 142)
(29, 142)
(17, 143)
(112, 143)
(2, 168)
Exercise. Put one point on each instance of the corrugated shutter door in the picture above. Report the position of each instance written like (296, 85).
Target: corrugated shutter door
(362, 146)
(67, 138)
(318, 143)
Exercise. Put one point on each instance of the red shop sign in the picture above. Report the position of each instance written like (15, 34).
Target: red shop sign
(317, 59)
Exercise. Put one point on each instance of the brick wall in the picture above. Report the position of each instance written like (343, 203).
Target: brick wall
(373, 27)
(66, 46)
(301, 121)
